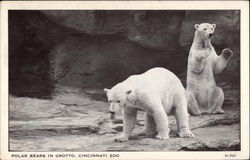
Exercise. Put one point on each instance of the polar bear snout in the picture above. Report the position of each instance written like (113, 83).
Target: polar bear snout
(210, 35)
(114, 108)
(112, 114)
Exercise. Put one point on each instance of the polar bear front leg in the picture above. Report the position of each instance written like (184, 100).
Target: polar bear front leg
(150, 126)
(193, 107)
(198, 63)
(200, 55)
(129, 119)
(217, 101)
(222, 60)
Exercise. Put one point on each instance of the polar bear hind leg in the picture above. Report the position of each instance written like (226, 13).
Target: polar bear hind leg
(161, 121)
(160, 117)
(181, 114)
(153, 105)
(150, 126)
(193, 107)
(217, 101)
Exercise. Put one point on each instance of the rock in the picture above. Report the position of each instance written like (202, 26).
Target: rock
(218, 138)
(88, 128)
(48, 117)
(82, 49)
(31, 108)
(83, 21)
(230, 117)
(151, 29)
(118, 128)
(83, 63)
(30, 43)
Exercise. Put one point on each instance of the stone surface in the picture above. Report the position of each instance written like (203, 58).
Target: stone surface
(226, 139)
(84, 124)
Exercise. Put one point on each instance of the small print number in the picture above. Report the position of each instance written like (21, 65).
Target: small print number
(230, 155)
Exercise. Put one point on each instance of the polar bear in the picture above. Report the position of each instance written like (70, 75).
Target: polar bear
(158, 92)
(202, 93)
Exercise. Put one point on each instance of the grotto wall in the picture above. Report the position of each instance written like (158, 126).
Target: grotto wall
(95, 49)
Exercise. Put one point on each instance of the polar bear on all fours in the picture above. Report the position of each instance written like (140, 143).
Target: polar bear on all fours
(158, 92)
(202, 93)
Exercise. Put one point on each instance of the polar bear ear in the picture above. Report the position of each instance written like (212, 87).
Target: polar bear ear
(196, 26)
(106, 90)
(214, 25)
(130, 96)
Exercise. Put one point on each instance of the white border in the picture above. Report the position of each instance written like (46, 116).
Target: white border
(129, 5)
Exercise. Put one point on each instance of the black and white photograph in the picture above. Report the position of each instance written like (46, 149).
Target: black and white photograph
(124, 80)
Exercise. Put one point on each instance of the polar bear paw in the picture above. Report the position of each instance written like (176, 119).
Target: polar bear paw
(162, 136)
(121, 138)
(218, 111)
(186, 134)
(227, 53)
(142, 133)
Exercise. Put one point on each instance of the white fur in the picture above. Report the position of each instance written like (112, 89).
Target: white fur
(202, 93)
(157, 91)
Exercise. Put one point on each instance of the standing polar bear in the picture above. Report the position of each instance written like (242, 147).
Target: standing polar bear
(158, 92)
(202, 93)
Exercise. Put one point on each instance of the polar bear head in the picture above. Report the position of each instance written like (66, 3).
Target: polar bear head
(118, 97)
(205, 30)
